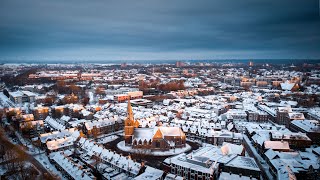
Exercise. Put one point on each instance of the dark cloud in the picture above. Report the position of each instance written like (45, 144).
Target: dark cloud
(79, 29)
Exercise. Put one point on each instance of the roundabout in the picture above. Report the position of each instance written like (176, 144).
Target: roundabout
(121, 146)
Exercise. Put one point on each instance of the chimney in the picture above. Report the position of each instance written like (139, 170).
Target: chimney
(270, 136)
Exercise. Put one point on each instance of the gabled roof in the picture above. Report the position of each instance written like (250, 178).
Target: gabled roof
(287, 85)
(158, 134)
(271, 154)
(136, 123)
(171, 131)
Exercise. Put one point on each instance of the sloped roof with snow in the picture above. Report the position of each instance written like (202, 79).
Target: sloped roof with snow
(171, 131)
(74, 170)
(279, 145)
(228, 148)
(54, 124)
(244, 163)
(287, 85)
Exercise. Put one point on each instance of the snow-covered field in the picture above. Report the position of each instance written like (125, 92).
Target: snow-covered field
(121, 146)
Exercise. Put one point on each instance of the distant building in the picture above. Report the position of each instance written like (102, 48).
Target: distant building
(289, 86)
(72, 110)
(142, 102)
(128, 95)
(120, 98)
(20, 97)
(124, 65)
(262, 83)
(276, 83)
(180, 64)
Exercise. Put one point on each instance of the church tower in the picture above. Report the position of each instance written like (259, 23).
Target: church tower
(129, 125)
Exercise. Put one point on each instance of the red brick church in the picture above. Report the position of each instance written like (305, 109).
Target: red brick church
(156, 138)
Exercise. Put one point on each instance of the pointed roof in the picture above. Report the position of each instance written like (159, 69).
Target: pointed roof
(129, 111)
(158, 134)
(271, 154)
(136, 123)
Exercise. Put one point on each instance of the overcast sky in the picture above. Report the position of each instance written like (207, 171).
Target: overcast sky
(162, 29)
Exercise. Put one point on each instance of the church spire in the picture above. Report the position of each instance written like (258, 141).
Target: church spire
(129, 125)
(129, 111)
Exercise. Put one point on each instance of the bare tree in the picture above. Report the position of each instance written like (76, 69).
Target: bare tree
(10, 159)
(141, 153)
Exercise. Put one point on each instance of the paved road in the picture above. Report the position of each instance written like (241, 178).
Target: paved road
(153, 161)
(264, 167)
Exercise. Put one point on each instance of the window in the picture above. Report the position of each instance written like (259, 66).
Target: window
(157, 144)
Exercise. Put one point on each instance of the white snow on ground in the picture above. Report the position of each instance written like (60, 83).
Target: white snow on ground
(195, 141)
(118, 133)
(23, 140)
(121, 146)
(5, 101)
(43, 159)
(107, 139)
(31, 148)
